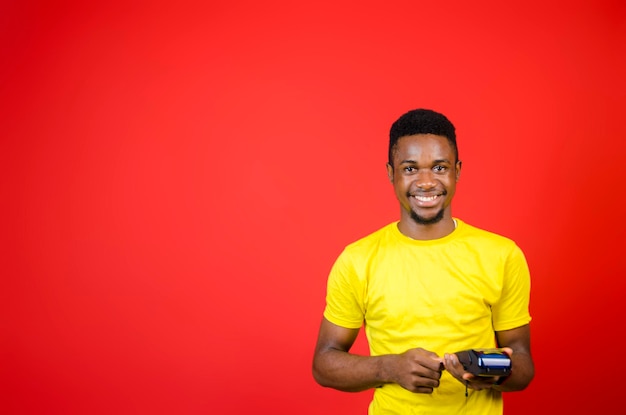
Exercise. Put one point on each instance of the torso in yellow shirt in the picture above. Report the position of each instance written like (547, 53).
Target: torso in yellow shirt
(443, 295)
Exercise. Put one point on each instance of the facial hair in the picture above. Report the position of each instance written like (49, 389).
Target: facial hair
(420, 220)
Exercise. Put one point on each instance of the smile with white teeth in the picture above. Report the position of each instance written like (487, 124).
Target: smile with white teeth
(426, 198)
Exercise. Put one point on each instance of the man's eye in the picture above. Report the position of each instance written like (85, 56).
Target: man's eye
(409, 169)
(439, 168)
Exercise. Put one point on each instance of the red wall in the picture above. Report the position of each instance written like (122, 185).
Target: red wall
(178, 178)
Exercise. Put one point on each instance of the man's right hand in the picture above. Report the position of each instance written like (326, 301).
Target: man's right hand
(416, 370)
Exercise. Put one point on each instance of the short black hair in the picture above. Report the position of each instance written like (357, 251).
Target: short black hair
(422, 121)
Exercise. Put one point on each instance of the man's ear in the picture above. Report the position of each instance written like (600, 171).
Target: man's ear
(459, 164)
(390, 172)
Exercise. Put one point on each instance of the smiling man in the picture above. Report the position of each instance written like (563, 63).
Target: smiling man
(425, 287)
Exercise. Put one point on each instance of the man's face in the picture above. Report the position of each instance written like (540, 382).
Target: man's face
(424, 176)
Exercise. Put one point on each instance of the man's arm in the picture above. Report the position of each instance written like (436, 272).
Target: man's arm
(522, 366)
(416, 370)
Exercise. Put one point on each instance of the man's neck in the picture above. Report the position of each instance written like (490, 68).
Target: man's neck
(425, 232)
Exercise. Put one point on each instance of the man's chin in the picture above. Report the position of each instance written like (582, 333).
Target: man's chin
(427, 220)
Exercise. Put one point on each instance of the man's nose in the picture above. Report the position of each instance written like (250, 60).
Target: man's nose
(425, 179)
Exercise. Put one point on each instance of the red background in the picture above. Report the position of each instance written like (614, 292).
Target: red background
(178, 178)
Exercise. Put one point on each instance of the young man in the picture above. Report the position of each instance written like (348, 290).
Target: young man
(424, 288)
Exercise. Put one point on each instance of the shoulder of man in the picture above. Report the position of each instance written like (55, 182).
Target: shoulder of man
(488, 237)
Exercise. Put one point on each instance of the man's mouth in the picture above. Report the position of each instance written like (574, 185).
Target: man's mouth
(425, 199)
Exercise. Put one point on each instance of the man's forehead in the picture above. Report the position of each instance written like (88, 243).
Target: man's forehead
(417, 142)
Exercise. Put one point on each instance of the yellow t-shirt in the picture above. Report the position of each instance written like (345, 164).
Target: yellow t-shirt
(444, 295)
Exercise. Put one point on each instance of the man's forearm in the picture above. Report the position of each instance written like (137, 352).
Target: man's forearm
(522, 373)
(348, 372)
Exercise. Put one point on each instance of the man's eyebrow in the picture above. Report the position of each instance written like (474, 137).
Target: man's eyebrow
(434, 161)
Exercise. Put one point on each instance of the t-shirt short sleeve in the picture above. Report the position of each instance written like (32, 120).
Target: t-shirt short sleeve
(345, 294)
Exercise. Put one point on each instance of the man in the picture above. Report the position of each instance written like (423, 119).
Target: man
(424, 288)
